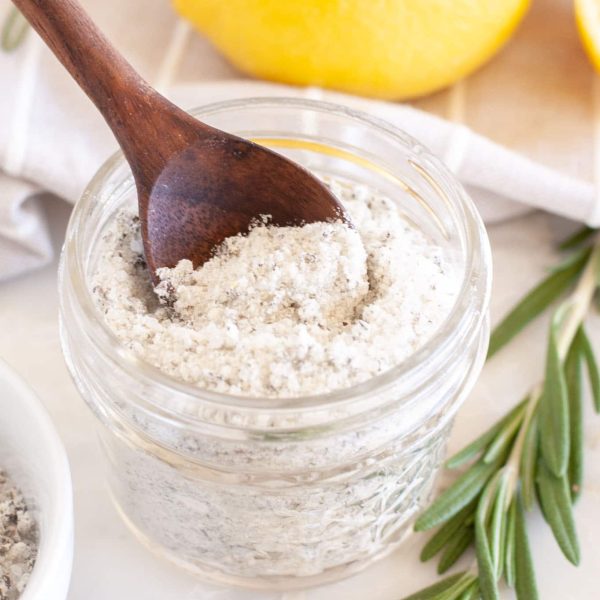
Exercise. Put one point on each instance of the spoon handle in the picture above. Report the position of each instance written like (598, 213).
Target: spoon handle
(127, 103)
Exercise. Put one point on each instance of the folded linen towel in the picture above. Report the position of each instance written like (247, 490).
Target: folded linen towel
(54, 140)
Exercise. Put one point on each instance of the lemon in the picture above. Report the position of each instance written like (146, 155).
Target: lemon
(381, 48)
(587, 15)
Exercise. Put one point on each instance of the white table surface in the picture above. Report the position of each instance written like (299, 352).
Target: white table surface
(111, 564)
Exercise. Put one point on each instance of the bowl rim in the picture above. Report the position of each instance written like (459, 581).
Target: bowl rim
(51, 574)
(411, 370)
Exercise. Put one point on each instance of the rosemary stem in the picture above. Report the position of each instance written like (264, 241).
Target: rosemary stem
(578, 305)
(514, 460)
(579, 301)
(501, 541)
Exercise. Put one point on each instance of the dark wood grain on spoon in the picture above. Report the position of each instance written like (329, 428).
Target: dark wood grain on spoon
(196, 185)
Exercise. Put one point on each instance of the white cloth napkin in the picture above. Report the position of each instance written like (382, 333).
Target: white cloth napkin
(52, 139)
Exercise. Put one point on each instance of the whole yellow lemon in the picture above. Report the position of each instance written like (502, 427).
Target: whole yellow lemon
(383, 48)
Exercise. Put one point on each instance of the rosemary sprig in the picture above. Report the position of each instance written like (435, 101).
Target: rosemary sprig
(14, 30)
(534, 454)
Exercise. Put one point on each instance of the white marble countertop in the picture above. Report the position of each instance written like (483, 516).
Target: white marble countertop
(111, 564)
(515, 100)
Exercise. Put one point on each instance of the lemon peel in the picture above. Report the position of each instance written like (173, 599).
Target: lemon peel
(383, 48)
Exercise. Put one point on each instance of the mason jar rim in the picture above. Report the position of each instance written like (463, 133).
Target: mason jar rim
(411, 371)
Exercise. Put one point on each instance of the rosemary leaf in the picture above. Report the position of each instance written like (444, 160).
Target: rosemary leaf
(570, 260)
(487, 573)
(580, 236)
(573, 364)
(434, 591)
(554, 411)
(472, 593)
(535, 302)
(455, 549)
(481, 443)
(509, 545)
(592, 366)
(457, 496)
(458, 589)
(505, 436)
(497, 529)
(555, 500)
(13, 31)
(499, 562)
(528, 463)
(487, 582)
(447, 531)
(525, 585)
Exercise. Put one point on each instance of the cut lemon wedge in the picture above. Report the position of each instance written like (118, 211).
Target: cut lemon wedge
(587, 15)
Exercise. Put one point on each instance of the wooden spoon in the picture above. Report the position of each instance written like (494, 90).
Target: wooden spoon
(196, 185)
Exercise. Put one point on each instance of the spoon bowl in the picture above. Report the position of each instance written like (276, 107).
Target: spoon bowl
(221, 186)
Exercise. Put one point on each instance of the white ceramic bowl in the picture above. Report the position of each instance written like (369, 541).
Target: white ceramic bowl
(32, 453)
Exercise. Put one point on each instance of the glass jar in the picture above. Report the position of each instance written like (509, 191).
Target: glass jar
(282, 493)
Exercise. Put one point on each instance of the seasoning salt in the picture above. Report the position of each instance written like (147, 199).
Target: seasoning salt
(283, 311)
(18, 540)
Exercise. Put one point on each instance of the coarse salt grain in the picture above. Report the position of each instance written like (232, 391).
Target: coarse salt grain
(282, 311)
(18, 540)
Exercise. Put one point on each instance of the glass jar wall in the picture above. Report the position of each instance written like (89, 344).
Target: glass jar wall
(282, 493)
